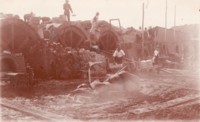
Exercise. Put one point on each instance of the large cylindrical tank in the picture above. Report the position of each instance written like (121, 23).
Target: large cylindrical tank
(72, 35)
(17, 36)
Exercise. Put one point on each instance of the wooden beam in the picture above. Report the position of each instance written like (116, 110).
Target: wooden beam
(168, 104)
(45, 116)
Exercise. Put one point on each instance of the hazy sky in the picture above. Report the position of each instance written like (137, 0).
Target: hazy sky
(128, 11)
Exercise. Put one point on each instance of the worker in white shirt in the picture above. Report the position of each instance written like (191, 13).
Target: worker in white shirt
(155, 56)
(118, 55)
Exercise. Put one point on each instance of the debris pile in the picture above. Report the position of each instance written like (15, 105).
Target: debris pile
(56, 61)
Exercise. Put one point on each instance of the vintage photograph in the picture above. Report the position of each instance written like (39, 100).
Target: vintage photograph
(99, 60)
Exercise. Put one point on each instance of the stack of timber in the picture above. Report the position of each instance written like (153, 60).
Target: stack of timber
(53, 60)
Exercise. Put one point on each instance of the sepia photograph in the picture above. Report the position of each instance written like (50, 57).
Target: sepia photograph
(99, 60)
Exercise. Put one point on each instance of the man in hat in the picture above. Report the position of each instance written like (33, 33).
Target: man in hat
(67, 9)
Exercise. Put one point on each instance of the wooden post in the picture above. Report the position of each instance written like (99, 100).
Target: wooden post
(143, 31)
(166, 22)
(165, 38)
(174, 22)
(174, 15)
(12, 38)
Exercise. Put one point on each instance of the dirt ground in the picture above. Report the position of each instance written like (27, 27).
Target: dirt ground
(171, 95)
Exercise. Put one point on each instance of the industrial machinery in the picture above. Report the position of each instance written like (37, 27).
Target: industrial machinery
(15, 71)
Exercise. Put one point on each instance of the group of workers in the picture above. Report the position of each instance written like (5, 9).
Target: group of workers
(68, 9)
(118, 53)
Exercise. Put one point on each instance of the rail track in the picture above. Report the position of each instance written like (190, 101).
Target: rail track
(40, 115)
(180, 101)
(158, 80)
(169, 104)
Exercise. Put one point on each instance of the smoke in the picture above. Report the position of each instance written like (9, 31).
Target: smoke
(121, 86)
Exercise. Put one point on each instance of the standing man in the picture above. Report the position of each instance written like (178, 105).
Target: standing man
(156, 55)
(94, 23)
(67, 9)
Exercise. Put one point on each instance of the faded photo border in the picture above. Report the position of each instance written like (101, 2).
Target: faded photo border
(174, 20)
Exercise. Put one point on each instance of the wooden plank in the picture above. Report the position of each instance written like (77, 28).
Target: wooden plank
(170, 103)
(46, 116)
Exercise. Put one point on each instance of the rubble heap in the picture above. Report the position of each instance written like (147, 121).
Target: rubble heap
(56, 61)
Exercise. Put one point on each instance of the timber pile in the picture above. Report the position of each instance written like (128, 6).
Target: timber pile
(52, 60)
(49, 59)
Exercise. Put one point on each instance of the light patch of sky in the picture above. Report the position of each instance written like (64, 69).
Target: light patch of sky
(128, 11)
